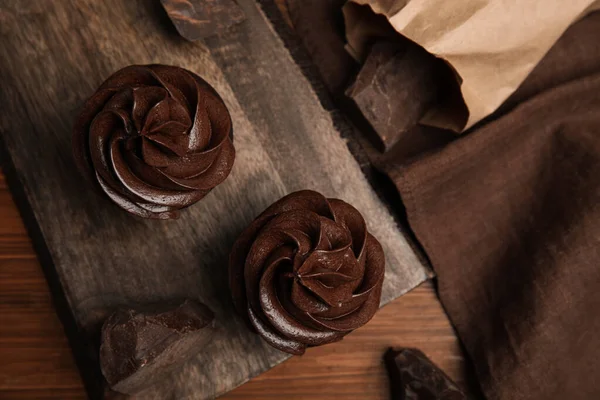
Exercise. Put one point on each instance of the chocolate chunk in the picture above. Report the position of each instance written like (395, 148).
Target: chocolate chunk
(414, 377)
(140, 348)
(197, 19)
(394, 88)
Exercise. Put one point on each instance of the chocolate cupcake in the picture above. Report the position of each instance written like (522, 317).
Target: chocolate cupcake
(306, 272)
(155, 139)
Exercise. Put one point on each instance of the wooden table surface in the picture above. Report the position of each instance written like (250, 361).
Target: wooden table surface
(36, 361)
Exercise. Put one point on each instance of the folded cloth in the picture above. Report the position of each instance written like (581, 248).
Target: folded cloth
(509, 215)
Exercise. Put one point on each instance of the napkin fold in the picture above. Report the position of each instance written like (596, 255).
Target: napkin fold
(509, 216)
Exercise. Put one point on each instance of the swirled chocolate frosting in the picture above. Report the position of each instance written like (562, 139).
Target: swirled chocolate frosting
(155, 139)
(306, 272)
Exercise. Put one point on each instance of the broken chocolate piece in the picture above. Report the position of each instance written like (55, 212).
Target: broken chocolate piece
(414, 377)
(140, 348)
(197, 19)
(394, 88)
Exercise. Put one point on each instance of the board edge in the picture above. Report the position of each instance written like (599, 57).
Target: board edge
(82, 350)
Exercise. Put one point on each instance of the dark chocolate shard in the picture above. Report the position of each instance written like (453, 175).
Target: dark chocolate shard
(198, 19)
(395, 88)
(414, 377)
(140, 348)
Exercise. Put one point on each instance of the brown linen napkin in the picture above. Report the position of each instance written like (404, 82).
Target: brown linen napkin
(509, 215)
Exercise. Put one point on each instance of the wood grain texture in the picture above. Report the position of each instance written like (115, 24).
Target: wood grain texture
(54, 54)
(37, 363)
(197, 19)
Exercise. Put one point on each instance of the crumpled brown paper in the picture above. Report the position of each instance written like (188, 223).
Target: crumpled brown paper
(492, 45)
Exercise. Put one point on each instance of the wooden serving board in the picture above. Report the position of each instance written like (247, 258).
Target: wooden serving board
(53, 55)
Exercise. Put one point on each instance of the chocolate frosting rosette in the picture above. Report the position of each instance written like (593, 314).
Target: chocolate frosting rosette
(306, 272)
(155, 139)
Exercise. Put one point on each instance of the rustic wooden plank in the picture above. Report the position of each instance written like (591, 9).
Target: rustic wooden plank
(296, 372)
(32, 337)
(98, 257)
(43, 394)
(279, 100)
(197, 19)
